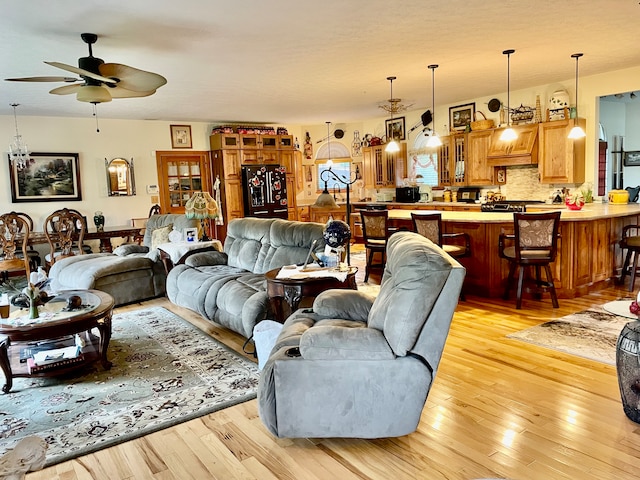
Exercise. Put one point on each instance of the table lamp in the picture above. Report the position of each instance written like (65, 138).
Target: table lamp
(203, 207)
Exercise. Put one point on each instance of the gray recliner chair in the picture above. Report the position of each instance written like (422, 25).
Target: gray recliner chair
(360, 367)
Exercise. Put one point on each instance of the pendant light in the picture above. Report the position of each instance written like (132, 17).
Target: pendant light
(325, 200)
(434, 140)
(577, 131)
(509, 134)
(392, 146)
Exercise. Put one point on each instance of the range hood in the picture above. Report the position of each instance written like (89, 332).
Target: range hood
(521, 151)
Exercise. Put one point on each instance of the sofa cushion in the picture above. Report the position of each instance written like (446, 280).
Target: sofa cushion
(160, 235)
(414, 275)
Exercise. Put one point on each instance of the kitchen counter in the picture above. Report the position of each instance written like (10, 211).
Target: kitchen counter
(589, 256)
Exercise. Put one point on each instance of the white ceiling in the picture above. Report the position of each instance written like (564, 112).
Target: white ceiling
(302, 62)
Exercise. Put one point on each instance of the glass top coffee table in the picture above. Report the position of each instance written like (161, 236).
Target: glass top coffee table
(57, 319)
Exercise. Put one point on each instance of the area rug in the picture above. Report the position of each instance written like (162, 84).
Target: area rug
(165, 371)
(591, 334)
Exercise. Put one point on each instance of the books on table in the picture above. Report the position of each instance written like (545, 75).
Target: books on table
(45, 360)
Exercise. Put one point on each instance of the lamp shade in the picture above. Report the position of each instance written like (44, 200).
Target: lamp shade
(201, 205)
(93, 94)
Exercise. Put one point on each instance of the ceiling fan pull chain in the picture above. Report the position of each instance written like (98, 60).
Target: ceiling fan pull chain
(95, 114)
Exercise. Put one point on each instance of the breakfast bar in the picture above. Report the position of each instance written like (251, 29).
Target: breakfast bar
(588, 258)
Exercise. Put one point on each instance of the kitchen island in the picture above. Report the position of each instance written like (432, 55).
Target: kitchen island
(589, 257)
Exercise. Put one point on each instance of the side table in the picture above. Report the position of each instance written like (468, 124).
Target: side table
(286, 294)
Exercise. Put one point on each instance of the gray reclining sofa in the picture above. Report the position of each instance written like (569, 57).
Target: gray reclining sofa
(229, 287)
(359, 367)
(131, 274)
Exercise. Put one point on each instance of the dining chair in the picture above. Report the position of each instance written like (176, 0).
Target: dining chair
(34, 256)
(14, 238)
(630, 242)
(534, 244)
(65, 231)
(375, 231)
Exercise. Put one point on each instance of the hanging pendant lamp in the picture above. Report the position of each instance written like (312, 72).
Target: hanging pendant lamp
(577, 131)
(392, 145)
(509, 134)
(434, 140)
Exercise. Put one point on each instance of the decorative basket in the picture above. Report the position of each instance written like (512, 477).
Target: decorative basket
(483, 124)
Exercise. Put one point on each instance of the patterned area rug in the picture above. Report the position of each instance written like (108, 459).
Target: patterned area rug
(591, 334)
(165, 371)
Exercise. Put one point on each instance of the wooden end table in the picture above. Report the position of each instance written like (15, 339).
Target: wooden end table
(17, 332)
(286, 294)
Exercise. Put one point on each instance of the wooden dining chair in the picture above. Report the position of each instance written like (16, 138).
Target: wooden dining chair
(534, 244)
(375, 231)
(429, 225)
(14, 238)
(34, 256)
(65, 231)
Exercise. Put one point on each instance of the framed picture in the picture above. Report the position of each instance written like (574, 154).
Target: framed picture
(181, 136)
(395, 129)
(190, 234)
(48, 177)
(461, 116)
(632, 159)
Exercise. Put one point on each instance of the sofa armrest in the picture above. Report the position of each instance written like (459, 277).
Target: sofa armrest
(339, 303)
(199, 258)
(340, 340)
(128, 249)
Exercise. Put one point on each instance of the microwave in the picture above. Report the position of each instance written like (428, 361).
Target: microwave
(408, 194)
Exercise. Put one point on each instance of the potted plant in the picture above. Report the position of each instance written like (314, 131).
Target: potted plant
(574, 201)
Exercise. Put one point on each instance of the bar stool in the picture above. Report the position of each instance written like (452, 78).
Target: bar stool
(536, 245)
(375, 231)
(631, 243)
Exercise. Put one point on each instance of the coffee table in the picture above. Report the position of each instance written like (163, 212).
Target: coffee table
(55, 321)
(285, 294)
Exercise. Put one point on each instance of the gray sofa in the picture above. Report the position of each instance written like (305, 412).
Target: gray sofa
(130, 274)
(360, 367)
(230, 288)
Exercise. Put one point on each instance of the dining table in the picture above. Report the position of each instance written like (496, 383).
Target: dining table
(104, 235)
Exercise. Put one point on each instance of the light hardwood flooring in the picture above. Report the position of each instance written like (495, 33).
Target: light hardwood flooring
(498, 408)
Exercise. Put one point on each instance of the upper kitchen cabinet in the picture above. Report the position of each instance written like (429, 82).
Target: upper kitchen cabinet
(561, 159)
(479, 172)
(521, 151)
(382, 169)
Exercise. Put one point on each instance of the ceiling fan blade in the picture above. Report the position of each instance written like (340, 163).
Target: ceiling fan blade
(66, 90)
(119, 92)
(44, 79)
(80, 71)
(131, 78)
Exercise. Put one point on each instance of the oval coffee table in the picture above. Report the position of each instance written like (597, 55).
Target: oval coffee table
(18, 332)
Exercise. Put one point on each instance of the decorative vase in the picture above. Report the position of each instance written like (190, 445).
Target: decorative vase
(33, 309)
(98, 219)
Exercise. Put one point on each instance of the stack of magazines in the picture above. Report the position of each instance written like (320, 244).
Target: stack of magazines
(51, 355)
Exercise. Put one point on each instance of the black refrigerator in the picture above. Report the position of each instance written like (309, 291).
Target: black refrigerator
(265, 191)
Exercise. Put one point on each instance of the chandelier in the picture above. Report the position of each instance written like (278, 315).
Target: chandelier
(394, 105)
(18, 151)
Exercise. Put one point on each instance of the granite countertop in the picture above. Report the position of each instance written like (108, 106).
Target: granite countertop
(591, 211)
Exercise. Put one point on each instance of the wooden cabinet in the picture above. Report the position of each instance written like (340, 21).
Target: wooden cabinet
(262, 149)
(304, 214)
(180, 175)
(382, 169)
(321, 215)
(479, 172)
(444, 163)
(521, 151)
(560, 159)
(458, 157)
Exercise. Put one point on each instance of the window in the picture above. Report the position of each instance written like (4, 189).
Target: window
(423, 162)
(341, 169)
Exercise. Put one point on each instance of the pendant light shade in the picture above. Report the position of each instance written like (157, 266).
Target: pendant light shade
(392, 145)
(577, 131)
(509, 134)
(325, 200)
(434, 140)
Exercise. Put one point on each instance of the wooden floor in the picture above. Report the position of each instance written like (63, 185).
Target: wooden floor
(498, 408)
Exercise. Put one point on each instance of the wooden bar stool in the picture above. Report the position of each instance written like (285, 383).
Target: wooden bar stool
(375, 231)
(631, 243)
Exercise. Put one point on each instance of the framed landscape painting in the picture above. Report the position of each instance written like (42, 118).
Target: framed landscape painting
(461, 116)
(47, 177)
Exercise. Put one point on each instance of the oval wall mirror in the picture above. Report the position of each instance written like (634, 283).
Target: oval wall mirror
(120, 177)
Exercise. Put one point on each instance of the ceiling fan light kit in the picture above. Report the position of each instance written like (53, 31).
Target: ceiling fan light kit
(101, 81)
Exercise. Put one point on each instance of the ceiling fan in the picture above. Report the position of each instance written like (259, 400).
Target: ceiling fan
(101, 81)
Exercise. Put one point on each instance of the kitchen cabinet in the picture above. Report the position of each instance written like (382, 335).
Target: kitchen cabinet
(382, 169)
(444, 164)
(180, 175)
(560, 159)
(521, 151)
(458, 159)
(479, 172)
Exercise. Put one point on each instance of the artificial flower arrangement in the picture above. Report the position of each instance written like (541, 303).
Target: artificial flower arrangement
(574, 201)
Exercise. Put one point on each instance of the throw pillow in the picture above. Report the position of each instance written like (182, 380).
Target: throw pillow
(160, 236)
